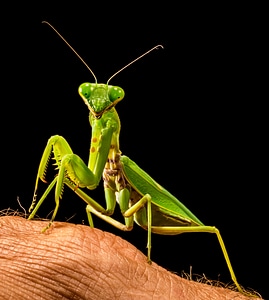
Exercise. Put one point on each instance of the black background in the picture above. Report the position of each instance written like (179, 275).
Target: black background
(194, 117)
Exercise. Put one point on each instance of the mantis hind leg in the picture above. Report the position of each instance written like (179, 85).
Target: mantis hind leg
(209, 229)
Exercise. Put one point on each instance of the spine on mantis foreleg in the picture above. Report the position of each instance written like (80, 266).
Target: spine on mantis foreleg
(58, 146)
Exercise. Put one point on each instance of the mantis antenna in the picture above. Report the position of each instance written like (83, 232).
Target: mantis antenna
(45, 22)
(130, 63)
(156, 47)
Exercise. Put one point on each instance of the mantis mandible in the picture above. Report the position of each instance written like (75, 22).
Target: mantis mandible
(141, 199)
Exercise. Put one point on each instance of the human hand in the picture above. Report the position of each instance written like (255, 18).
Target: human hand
(71, 261)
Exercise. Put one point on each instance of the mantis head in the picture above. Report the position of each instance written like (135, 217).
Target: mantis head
(100, 97)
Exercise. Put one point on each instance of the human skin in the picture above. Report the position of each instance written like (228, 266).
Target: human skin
(71, 261)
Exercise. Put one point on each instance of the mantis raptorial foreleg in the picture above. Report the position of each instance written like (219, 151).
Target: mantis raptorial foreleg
(70, 166)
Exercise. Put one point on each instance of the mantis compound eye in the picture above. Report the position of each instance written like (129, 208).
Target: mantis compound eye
(115, 93)
(85, 90)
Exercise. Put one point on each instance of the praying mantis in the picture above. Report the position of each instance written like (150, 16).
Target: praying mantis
(141, 199)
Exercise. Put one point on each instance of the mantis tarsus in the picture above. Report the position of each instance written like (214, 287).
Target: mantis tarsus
(140, 198)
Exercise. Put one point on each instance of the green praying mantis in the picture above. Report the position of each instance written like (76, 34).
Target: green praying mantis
(141, 199)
